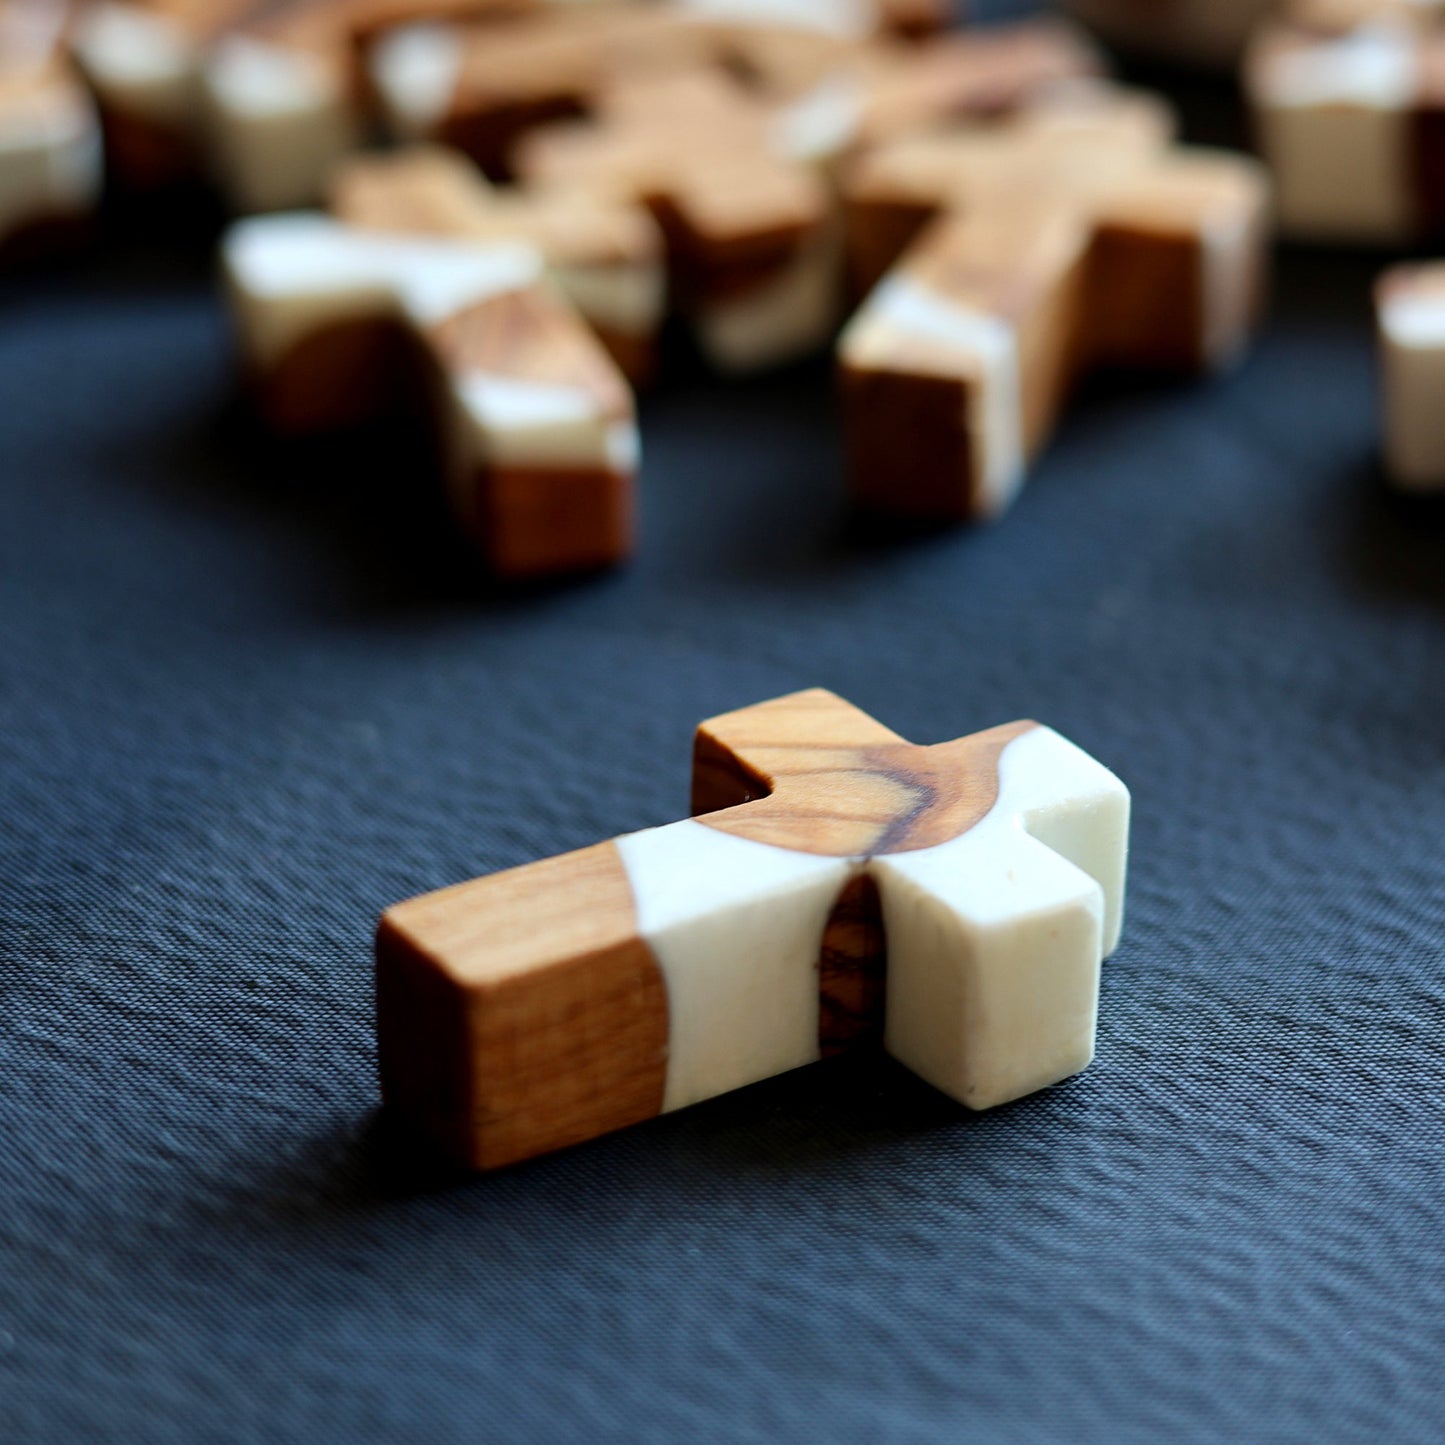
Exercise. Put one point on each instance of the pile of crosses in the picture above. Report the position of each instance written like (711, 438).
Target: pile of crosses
(1347, 100)
(975, 218)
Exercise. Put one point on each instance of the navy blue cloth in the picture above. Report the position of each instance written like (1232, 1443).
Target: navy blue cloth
(251, 694)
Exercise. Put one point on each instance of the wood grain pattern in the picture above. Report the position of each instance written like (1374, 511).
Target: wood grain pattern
(971, 75)
(521, 1013)
(852, 971)
(524, 1012)
(836, 783)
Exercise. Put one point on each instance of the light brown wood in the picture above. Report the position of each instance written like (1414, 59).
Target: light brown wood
(1065, 151)
(433, 191)
(852, 971)
(335, 22)
(594, 242)
(555, 65)
(530, 335)
(526, 520)
(812, 773)
(526, 1011)
(521, 1013)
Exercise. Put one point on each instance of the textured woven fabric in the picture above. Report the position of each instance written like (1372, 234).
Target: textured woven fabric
(250, 695)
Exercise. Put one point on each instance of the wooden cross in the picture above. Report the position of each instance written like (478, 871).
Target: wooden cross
(265, 95)
(534, 422)
(482, 89)
(752, 246)
(721, 128)
(605, 254)
(49, 136)
(838, 886)
(1072, 238)
(1349, 109)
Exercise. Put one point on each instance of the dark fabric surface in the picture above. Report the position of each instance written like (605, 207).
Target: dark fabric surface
(249, 696)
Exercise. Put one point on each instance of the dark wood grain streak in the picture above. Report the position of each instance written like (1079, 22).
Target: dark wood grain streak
(839, 784)
(852, 971)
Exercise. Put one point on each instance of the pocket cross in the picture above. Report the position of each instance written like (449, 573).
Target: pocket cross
(1070, 237)
(838, 886)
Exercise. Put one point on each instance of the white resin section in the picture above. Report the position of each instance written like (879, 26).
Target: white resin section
(1333, 123)
(50, 159)
(415, 71)
(735, 927)
(139, 62)
(294, 275)
(291, 274)
(1412, 335)
(818, 127)
(527, 423)
(280, 120)
(988, 350)
(995, 938)
(1372, 66)
(790, 316)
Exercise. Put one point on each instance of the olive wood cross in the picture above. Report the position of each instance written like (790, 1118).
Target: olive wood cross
(838, 886)
(1070, 237)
